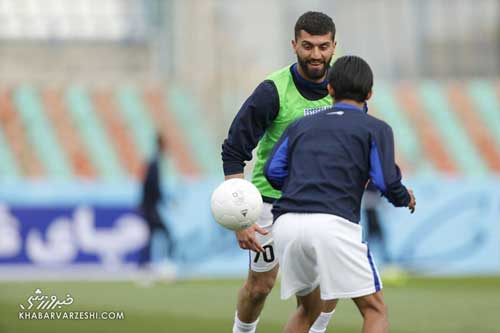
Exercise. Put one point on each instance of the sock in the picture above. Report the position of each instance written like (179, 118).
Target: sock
(321, 322)
(241, 327)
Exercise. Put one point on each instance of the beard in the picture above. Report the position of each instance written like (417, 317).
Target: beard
(313, 73)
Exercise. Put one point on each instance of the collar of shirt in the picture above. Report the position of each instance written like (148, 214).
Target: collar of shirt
(306, 83)
(346, 106)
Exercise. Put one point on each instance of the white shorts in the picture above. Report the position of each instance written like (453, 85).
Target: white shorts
(323, 250)
(267, 260)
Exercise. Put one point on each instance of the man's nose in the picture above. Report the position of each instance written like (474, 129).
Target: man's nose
(316, 54)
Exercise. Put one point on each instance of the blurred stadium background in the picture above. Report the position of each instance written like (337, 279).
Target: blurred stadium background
(85, 84)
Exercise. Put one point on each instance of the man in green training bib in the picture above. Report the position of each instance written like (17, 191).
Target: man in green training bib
(290, 93)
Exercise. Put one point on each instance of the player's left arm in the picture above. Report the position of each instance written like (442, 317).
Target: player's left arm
(384, 172)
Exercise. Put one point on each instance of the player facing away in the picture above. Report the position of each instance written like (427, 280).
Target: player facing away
(284, 96)
(322, 164)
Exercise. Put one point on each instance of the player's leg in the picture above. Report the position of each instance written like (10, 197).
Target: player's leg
(251, 299)
(260, 281)
(327, 311)
(374, 312)
(294, 239)
(346, 266)
(308, 309)
(158, 224)
(145, 253)
(170, 240)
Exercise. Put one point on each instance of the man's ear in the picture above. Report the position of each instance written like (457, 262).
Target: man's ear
(370, 93)
(331, 91)
(294, 45)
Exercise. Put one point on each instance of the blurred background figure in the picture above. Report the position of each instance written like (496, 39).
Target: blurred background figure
(152, 197)
(373, 226)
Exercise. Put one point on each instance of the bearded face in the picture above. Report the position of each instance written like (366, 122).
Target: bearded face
(314, 54)
(314, 69)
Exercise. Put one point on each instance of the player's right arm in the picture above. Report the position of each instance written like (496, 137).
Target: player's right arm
(249, 125)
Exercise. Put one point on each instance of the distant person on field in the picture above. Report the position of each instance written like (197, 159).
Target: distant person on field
(374, 230)
(152, 196)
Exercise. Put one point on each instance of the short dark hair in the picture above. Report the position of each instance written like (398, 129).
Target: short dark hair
(315, 23)
(351, 77)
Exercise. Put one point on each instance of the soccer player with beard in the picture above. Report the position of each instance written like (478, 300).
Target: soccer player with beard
(286, 95)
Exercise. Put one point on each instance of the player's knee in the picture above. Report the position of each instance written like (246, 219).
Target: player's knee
(259, 288)
(259, 291)
(378, 309)
(373, 305)
(381, 309)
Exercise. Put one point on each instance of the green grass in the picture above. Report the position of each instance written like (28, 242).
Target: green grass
(421, 305)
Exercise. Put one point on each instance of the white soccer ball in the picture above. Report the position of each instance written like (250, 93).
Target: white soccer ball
(236, 204)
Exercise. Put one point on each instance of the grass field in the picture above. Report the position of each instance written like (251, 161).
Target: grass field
(421, 305)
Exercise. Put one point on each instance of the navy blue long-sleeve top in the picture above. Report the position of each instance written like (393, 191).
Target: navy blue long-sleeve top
(322, 163)
(151, 191)
(256, 115)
